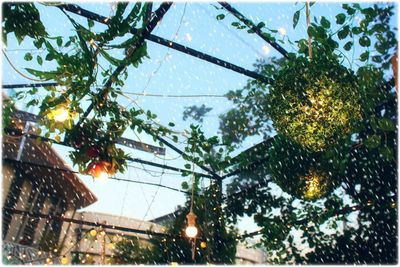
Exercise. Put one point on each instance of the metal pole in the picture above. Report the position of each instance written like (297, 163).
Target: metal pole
(165, 42)
(158, 15)
(251, 25)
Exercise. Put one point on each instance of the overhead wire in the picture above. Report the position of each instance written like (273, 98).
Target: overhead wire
(17, 71)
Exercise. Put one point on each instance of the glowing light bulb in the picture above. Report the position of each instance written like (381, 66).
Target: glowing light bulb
(191, 231)
(64, 260)
(282, 31)
(266, 50)
(111, 246)
(102, 176)
(93, 232)
(100, 170)
(60, 114)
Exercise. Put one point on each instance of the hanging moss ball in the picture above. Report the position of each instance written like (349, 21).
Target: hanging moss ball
(299, 172)
(314, 103)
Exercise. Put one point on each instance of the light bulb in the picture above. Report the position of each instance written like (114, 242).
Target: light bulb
(93, 232)
(102, 176)
(282, 31)
(99, 170)
(266, 50)
(60, 114)
(191, 231)
(64, 260)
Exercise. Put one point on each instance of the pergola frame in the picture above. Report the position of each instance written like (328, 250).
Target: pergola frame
(146, 34)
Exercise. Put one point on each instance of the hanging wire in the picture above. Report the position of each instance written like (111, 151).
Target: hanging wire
(193, 183)
(176, 96)
(162, 60)
(148, 204)
(125, 193)
(154, 154)
(16, 70)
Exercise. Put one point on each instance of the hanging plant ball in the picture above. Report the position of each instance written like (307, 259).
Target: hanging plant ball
(299, 172)
(314, 103)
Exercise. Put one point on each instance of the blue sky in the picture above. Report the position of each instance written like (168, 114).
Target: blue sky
(177, 74)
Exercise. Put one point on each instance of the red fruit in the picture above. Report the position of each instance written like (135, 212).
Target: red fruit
(93, 151)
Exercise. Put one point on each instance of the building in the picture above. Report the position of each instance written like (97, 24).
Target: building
(36, 183)
(94, 245)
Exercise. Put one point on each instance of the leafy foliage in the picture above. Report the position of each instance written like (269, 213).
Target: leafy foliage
(314, 103)
(312, 175)
(341, 226)
(220, 243)
(196, 113)
(23, 19)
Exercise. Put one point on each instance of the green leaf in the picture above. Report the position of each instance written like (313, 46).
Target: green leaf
(220, 17)
(377, 59)
(90, 23)
(364, 56)
(59, 41)
(325, 23)
(342, 34)
(386, 125)
(260, 25)
(188, 166)
(348, 46)
(340, 18)
(296, 18)
(28, 57)
(373, 141)
(235, 24)
(112, 60)
(171, 124)
(39, 60)
(185, 185)
(356, 30)
(49, 57)
(46, 75)
(386, 153)
(365, 41)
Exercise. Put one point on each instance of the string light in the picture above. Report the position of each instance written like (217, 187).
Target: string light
(266, 50)
(100, 170)
(93, 233)
(191, 229)
(282, 31)
(64, 260)
(60, 114)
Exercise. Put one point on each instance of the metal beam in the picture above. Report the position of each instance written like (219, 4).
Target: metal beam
(167, 167)
(137, 160)
(173, 45)
(214, 174)
(28, 85)
(158, 15)
(89, 223)
(26, 116)
(253, 27)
